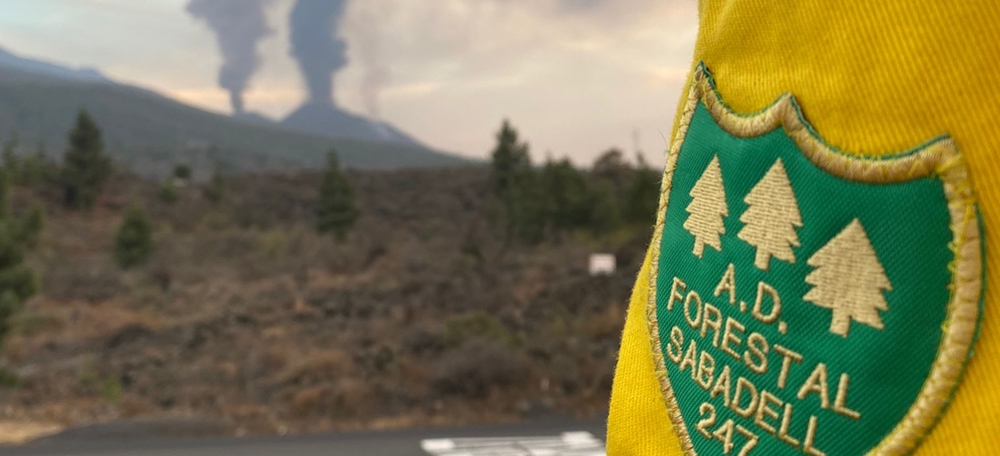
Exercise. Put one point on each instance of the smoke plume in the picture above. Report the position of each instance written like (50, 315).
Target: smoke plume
(316, 45)
(238, 25)
(367, 42)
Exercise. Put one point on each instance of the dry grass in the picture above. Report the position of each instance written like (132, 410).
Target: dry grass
(245, 314)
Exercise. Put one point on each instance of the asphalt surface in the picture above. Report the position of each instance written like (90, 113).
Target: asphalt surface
(405, 442)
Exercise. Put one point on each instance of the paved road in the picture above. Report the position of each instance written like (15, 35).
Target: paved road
(374, 443)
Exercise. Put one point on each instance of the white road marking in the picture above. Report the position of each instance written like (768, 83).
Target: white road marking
(567, 444)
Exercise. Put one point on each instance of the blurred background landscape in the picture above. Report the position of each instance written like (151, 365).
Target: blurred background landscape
(304, 216)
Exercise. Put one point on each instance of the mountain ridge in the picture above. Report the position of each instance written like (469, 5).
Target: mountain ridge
(150, 132)
(30, 65)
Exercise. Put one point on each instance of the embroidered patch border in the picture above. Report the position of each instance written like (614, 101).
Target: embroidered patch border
(939, 158)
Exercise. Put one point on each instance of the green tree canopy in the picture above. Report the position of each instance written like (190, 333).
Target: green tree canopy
(182, 172)
(524, 207)
(86, 168)
(518, 187)
(613, 168)
(17, 281)
(134, 243)
(566, 194)
(338, 209)
(605, 215)
(643, 196)
(509, 158)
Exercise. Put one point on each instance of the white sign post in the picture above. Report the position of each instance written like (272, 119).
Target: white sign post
(602, 264)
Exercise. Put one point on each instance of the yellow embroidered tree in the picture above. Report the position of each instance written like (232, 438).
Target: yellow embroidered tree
(707, 209)
(771, 218)
(849, 279)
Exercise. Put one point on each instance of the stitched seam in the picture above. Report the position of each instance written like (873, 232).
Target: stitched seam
(667, 184)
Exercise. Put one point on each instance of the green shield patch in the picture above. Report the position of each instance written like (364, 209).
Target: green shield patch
(804, 300)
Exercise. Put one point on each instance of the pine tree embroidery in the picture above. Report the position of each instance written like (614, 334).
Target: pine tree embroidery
(771, 218)
(707, 209)
(849, 279)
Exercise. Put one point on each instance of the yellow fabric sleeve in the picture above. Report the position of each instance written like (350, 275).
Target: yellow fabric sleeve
(874, 78)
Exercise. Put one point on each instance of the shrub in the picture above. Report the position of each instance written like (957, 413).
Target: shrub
(169, 193)
(419, 340)
(9, 378)
(477, 368)
(30, 228)
(16, 278)
(476, 325)
(10, 305)
(134, 243)
(343, 398)
(182, 172)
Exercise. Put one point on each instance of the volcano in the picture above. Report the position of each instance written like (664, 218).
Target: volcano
(328, 120)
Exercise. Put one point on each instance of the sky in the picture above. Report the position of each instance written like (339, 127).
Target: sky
(575, 77)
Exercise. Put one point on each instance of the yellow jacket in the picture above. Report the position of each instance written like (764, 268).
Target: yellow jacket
(871, 79)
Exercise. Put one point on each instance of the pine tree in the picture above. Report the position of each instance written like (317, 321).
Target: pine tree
(771, 218)
(524, 207)
(849, 280)
(707, 209)
(509, 159)
(337, 211)
(86, 168)
(134, 243)
(518, 187)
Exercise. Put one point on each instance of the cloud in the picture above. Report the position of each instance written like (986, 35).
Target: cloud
(574, 76)
(609, 66)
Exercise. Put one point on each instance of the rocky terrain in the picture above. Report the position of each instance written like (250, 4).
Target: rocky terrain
(246, 316)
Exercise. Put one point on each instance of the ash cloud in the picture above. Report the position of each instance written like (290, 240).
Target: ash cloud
(317, 46)
(367, 48)
(239, 25)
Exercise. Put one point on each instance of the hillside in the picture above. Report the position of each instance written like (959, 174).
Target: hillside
(150, 133)
(247, 317)
(39, 68)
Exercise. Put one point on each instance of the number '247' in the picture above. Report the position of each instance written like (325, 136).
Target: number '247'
(724, 433)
